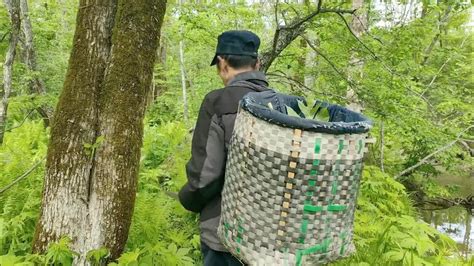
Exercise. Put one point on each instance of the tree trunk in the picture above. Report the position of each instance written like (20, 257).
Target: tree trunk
(382, 146)
(311, 62)
(183, 80)
(13, 7)
(36, 84)
(286, 34)
(93, 156)
(358, 24)
(183, 70)
(161, 75)
(467, 234)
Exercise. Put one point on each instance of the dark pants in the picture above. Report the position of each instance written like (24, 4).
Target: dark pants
(218, 258)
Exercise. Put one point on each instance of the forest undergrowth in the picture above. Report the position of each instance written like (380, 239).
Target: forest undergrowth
(414, 80)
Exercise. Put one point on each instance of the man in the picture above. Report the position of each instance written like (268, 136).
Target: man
(237, 65)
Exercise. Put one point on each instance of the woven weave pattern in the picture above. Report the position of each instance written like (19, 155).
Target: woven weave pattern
(289, 195)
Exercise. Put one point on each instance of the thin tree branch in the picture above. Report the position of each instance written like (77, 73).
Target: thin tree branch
(22, 122)
(333, 66)
(441, 69)
(300, 22)
(467, 147)
(5, 35)
(18, 179)
(427, 158)
(276, 13)
(443, 203)
(287, 33)
(429, 49)
(366, 30)
(300, 84)
(387, 68)
(357, 38)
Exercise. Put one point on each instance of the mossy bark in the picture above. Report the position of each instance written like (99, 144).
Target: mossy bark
(89, 192)
(122, 109)
(13, 7)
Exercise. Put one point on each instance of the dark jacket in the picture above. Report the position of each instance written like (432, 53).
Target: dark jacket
(206, 168)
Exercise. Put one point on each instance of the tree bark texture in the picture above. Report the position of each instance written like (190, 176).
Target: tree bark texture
(13, 7)
(94, 151)
(311, 62)
(36, 84)
(286, 34)
(358, 25)
(283, 37)
(183, 80)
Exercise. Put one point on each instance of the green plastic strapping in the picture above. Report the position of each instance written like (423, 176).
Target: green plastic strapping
(317, 146)
(341, 146)
(309, 193)
(299, 257)
(316, 162)
(313, 172)
(335, 208)
(304, 226)
(334, 187)
(226, 229)
(343, 236)
(361, 144)
(312, 182)
(321, 247)
(312, 208)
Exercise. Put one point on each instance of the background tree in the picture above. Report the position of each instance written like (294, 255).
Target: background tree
(427, 109)
(93, 155)
(36, 86)
(13, 7)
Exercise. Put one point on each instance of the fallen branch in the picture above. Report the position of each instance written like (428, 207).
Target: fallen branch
(18, 179)
(444, 203)
(427, 158)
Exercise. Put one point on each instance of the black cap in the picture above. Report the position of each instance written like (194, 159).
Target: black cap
(237, 42)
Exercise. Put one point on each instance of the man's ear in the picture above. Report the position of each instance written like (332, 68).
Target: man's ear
(223, 64)
(220, 61)
(257, 65)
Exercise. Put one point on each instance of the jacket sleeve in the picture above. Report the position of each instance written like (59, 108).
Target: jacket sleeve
(205, 170)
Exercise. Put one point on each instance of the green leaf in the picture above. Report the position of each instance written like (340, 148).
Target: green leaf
(394, 255)
(129, 258)
(323, 115)
(291, 112)
(99, 139)
(96, 255)
(304, 108)
(9, 260)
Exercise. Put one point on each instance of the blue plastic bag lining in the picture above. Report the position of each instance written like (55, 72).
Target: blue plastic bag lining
(341, 120)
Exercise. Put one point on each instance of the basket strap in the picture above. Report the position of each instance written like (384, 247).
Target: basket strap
(289, 186)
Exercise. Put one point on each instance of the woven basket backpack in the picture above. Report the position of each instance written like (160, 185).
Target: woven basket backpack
(291, 183)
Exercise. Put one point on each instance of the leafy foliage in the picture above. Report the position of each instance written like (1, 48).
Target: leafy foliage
(423, 97)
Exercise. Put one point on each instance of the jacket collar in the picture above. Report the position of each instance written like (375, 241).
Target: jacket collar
(256, 77)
